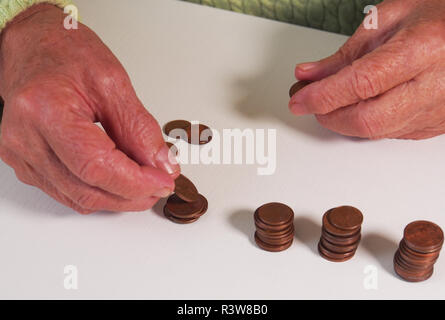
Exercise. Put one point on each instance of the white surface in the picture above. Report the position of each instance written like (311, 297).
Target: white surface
(229, 71)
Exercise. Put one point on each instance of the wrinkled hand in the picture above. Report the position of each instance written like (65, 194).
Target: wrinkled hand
(56, 84)
(388, 82)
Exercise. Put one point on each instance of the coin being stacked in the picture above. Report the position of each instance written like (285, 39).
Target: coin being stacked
(341, 233)
(274, 226)
(418, 251)
(186, 205)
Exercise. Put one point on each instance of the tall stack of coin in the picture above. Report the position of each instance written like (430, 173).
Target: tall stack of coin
(274, 226)
(186, 205)
(418, 251)
(341, 233)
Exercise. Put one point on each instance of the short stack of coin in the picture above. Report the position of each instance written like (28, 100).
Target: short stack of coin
(418, 251)
(274, 227)
(186, 205)
(341, 233)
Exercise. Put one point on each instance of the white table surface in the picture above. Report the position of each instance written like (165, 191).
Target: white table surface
(229, 71)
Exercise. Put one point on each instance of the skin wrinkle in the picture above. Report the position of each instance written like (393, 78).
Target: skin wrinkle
(397, 85)
(49, 119)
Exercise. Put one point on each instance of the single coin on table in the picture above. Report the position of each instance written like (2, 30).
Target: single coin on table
(185, 189)
(297, 86)
(423, 236)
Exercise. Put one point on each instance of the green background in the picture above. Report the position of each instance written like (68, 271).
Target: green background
(340, 16)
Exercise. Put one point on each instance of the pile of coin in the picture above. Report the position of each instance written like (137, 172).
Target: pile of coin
(418, 251)
(274, 224)
(192, 133)
(341, 233)
(186, 205)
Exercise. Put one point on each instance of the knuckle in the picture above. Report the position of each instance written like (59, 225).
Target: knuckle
(112, 77)
(364, 125)
(87, 201)
(9, 138)
(362, 84)
(93, 171)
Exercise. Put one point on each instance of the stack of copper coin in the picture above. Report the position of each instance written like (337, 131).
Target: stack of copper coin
(418, 251)
(274, 226)
(186, 205)
(341, 233)
(192, 133)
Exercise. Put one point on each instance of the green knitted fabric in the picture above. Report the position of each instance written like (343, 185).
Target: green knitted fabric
(340, 16)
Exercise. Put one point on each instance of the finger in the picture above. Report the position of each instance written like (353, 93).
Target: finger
(92, 156)
(26, 174)
(134, 130)
(376, 117)
(363, 41)
(87, 196)
(367, 77)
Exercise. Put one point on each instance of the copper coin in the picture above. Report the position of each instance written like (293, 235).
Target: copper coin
(409, 266)
(334, 257)
(275, 214)
(414, 255)
(169, 216)
(340, 240)
(182, 209)
(337, 231)
(199, 134)
(274, 234)
(345, 217)
(185, 189)
(271, 236)
(337, 248)
(176, 124)
(205, 206)
(269, 228)
(275, 242)
(272, 248)
(413, 260)
(298, 86)
(412, 277)
(423, 236)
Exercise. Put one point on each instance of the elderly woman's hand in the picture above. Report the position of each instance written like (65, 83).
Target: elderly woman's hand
(56, 84)
(388, 82)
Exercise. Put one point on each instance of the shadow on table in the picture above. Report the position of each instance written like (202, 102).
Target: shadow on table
(242, 220)
(308, 232)
(29, 198)
(266, 93)
(382, 248)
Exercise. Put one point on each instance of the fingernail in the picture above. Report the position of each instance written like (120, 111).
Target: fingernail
(165, 162)
(297, 108)
(163, 193)
(307, 66)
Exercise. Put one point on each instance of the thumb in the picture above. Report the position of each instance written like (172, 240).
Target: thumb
(359, 44)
